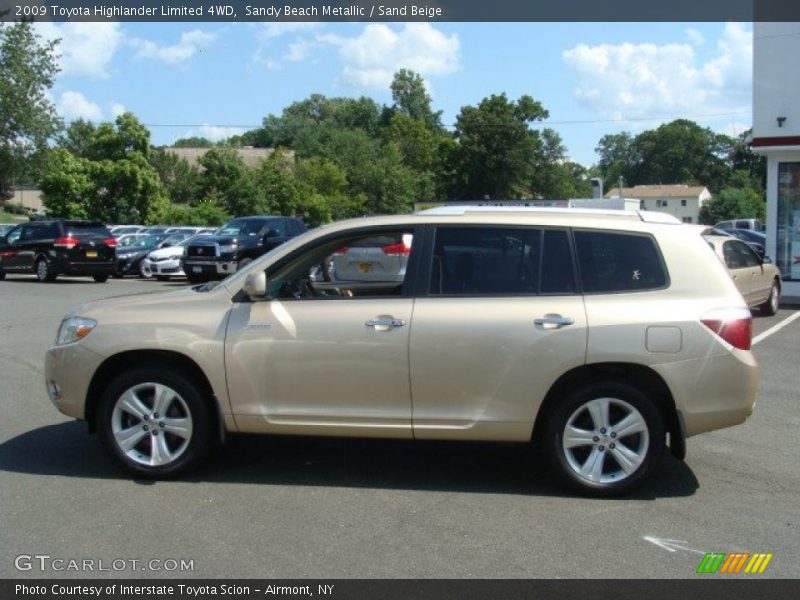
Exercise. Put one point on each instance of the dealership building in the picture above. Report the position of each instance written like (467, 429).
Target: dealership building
(776, 135)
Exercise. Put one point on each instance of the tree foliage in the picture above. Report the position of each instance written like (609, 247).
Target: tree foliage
(28, 118)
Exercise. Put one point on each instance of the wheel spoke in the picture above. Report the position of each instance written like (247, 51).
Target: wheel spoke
(598, 409)
(132, 405)
(627, 459)
(162, 398)
(633, 423)
(574, 437)
(592, 469)
(159, 451)
(181, 427)
(128, 438)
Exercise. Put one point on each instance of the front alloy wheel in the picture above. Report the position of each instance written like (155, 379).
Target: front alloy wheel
(155, 423)
(605, 439)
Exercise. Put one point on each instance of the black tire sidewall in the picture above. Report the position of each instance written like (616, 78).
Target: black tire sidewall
(100, 278)
(766, 308)
(606, 389)
(202, 438)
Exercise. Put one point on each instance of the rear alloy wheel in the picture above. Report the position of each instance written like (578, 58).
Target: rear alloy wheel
(154, 423)
(43, 273)
(770, 307)
(604, 439)
(100, 277)
(145, 272)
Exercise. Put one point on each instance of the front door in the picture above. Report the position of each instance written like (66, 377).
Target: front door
(324, 354)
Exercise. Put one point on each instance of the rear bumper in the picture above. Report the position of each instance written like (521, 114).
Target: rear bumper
(66, 266)
(714, 392)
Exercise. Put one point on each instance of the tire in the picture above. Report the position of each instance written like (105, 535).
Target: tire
(162, 277)
(145, 272)
(129, 423)
(770, 307)
(594, 441)
(101, 278)
(43, 271)
(2, 275)
(243, 263)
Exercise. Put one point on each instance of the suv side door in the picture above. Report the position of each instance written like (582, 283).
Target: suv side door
(321, 357)
(10, 249)
(745, 269)
(29, 245)
(496, 321)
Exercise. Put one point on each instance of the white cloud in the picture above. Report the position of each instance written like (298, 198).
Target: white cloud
(117, 109)
(190, 44)
(74, 105)
(695, 37)
(371, 58)
(85, 48)
(214, 133)
(646, 80)
(298, 51)
(272, 30)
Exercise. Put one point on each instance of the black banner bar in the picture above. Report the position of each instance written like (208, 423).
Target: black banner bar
(702, 587)
(401, 10)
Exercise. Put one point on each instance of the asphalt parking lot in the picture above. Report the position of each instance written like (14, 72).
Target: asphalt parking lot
(328, 508)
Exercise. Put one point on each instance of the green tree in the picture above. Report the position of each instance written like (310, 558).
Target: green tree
(110, 180)
(325, 192)
(276, 181)
(411, 98)
(617, 156)
(193, 142)
(181, 180)
(732, 203)
(496, 147)
(27, 117)
(228, 182)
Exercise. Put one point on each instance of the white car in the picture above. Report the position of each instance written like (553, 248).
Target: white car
(166, 262)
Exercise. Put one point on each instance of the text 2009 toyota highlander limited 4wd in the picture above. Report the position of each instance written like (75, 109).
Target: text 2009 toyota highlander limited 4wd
(599, 335)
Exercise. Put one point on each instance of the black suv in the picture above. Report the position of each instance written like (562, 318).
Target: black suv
(236, 244)
(59, 247)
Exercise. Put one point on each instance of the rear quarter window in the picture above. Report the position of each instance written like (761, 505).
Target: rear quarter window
(619, 262)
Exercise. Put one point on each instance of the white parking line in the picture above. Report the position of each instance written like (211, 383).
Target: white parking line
(775, 328)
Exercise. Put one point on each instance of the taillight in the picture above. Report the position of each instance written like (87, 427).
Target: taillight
(66, 242)
(341, 251)
(735, 326)
(396, 249)
(110, 242)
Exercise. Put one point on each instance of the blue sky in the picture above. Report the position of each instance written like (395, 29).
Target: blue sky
(215, 79)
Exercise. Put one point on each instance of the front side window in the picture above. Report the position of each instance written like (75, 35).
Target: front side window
(619, 262)
(497, 261)
(352, 266)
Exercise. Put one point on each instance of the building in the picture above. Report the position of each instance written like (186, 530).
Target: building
(681, 201)
(27, 197)
(776, 135)
(252, 157)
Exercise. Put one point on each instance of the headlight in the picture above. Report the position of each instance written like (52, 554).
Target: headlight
(73, 329)
(228, 248)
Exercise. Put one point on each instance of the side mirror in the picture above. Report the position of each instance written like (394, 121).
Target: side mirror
(273, 233)
(255, 285)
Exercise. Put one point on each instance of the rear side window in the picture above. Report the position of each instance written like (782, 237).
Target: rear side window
(488, 261)
(738, 255)
(619, 262)
(89, 229)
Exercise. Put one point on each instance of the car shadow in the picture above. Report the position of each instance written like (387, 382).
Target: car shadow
(65, 449)
(61, 280)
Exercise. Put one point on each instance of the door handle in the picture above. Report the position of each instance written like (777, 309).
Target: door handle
(385, 323)
(553, 321)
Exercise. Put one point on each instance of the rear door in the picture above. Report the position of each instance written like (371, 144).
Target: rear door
(94, 243)
(744, 267)
(497, 321)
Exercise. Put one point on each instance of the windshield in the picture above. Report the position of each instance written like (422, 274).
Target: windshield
(145, 242)
(241, 227)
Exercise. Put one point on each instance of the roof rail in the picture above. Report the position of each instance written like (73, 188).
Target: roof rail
(460, 210)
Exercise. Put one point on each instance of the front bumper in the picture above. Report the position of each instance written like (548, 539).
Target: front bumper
(165, 267)
(68, 371)
(209, 268)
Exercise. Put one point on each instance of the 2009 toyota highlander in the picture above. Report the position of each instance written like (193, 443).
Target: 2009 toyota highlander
(602, 336)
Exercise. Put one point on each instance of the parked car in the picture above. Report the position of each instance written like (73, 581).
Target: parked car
(236, 244)
(380, 258)
(581, 331)
(752, 224)
(130, 257)
(165, 263)
(758, 280)
(6, 227)
(755, 239)
(58, 247)
(121, 230)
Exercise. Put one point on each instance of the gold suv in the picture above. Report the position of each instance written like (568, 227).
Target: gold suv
(599, 335)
